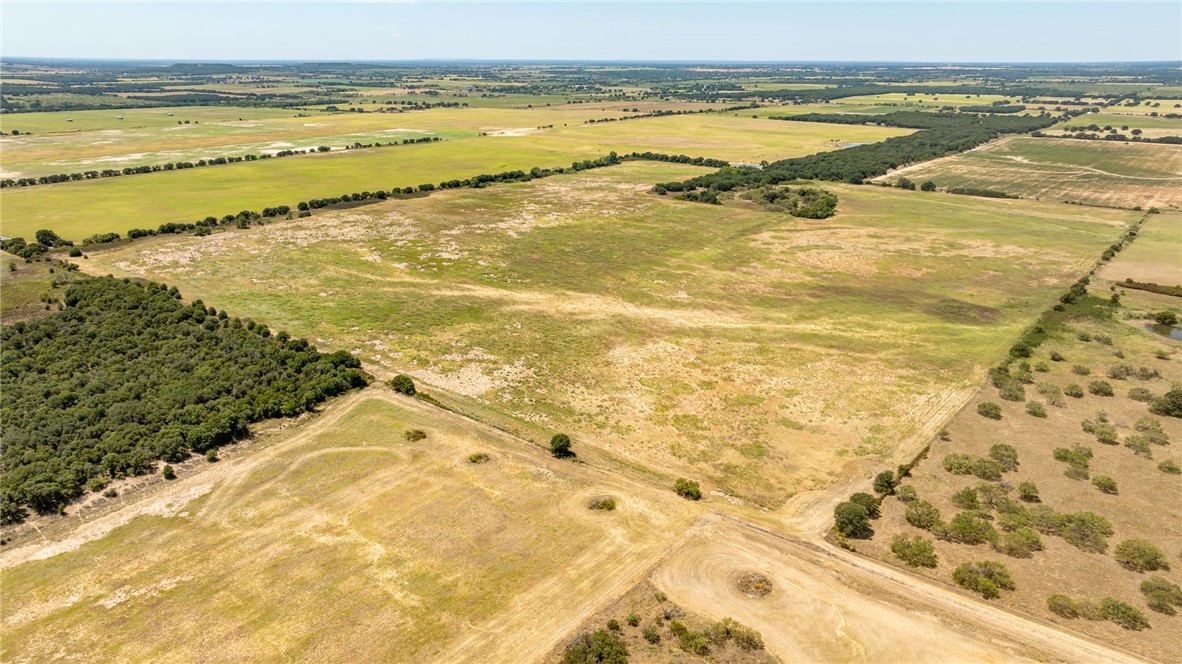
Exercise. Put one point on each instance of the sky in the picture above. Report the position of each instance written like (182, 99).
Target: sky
(675, 31)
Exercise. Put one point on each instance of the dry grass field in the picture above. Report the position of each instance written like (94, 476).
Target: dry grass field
(1154, 257)
(760, 352)
(1105, 173)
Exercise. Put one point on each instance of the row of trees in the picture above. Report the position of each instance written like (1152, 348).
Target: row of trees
(126, 375)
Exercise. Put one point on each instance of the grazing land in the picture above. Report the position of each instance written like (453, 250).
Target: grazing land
(1110, 173)
(724, 341)
(1154, 256)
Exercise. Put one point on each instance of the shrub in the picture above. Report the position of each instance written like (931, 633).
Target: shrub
(1036, 409)
(597, 648)
(602, 504)
(1028, 492)
(1105, 484)
(851, 520)
(728, 629)
(403, 384)
(1125, 615)
(884, 483)
(687, 489)
(1165, 318)
(1105, 433)
(1100, 388)
(167, 472)
(1074, 391)
(1056, 356)
(922, 514)
(414, 435)
(915, 551)
(1012, 390)
(989, 409)
(986, 578)
(906, 493)
(633, 620)
(1085, 531)
(959, 464)
(651, 634)
(868, 501)
(1080, 370)
(212, 456)
(967, 528)
(613, 625)
(1140, 446)
(111, 493)
(1042, 367)
(1063, 606)
(1005, 455)
(987, 469)
(478, 457)
(560, 446)
(1051, 393)
(1145, 373)
(1162, 594)
(1140, 556)
(1022, 542)
(966, 499)
(1169, 404)
(992, 495)
(1170, 467)
(1121, 371)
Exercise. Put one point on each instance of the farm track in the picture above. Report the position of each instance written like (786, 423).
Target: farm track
(865, 606)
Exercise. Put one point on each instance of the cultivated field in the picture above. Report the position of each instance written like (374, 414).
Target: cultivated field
(1156, 255)
(761, 352)
(1106, 173)
(421, 554)
(78, 209)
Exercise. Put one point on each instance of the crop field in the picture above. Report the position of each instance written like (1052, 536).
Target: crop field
(1107, 173)
(1143, 505)
(78, 209)
(762, 352)
(423, 554)
(902, 99)
(1154, 257)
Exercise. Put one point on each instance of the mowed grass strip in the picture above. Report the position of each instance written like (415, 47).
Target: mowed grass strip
(756, 351)
(77, 209)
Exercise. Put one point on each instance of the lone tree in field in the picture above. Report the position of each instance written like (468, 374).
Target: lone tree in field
(403, 384)
(560, 445)
(687, 489)
(851, 520)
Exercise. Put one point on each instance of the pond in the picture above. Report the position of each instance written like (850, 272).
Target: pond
(1168, 331)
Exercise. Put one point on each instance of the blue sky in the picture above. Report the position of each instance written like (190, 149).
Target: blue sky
(702, 31)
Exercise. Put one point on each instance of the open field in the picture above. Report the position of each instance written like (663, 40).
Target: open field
(1145, 505)
(921, 101)
(1092, 172)
(1156, 255)
(762, 352)
(78, 209)
(1151, 127)
(421, 554)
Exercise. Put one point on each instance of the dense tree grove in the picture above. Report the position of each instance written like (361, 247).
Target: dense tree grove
(941, 135)
(127, 374)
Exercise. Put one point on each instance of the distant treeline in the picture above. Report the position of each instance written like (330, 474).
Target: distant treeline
(949, 133)
(662, 114)
(182, 165)
(1135, 138)
(125, 374)
(1175, 291)
(940, 91)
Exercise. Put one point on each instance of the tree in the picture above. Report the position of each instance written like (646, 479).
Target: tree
(560, 445)
(989, 409)
(1140, 556)
(928, 186)
(986, 577)
(1168, 404)
(851, 519)
(922, 514)
(1162, 317)
(884, 482)
(168, 473)
(916, 551)
(403, 384)
(687, 489)
(599, 647)
(868, 501)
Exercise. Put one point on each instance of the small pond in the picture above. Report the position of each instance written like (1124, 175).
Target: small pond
(1165, 330)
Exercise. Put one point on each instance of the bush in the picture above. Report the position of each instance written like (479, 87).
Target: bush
(1100, 388)
(728, 629)
(851, 520)
(1140, 446)
(1028, 492)
(1074, 391)
(212, 456)
(1105, 484)
(687, 489)
(1165, 318)
(1162, 594)
(884, 483)
(651, 634)
(602, 504)
(633, 620)
(1005, 455)
(1036, 409)
(1170, 467)
(478, 457)
(1152, 430)
(1056, 356)
(868, 501)
(915, 551)
(989, 409)
(1063, 606)
(1125, 615)
(560, 446)
(1169, 404)
(1140, 556)
(403, 384)
(597, 648)
(1121, 371)
(613, 625)
(986, 578)
(167, 472)
(959, 464)
(906, 493)
(1085, 531)
(414, 435)
(967, 528)
(1022, 542)
(922, 514)
(966, 499)
(987, 469)
(1080, 370)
